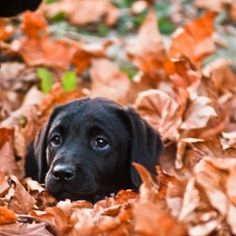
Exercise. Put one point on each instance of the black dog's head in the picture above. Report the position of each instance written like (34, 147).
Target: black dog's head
(86, 149)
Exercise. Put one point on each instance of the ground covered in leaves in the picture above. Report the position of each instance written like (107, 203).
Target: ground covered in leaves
(174, 61)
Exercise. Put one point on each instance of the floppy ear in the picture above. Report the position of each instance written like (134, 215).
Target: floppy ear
(40, 145)
(146, 145)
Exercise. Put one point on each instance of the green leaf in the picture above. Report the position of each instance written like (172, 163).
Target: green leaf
(46, 79)
(69, 81)
(50, 1)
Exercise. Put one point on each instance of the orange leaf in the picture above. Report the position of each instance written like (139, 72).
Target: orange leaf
(151, 220)
(5, 30)
(194, 40)
(6, 216)
(34, 24)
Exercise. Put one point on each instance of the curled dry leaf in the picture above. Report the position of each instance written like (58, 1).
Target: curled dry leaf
(181, 72)
(198, 114)
(228, 140)
(148, 53)
(222, 76)
(191, 150)
(214, 176)
(162, 111)
(19, 200)
(109, 81)
(194, 40)
(7, 154)
(25, 229)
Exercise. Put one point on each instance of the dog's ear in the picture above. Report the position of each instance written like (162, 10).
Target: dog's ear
(146, 145)
(40, 145)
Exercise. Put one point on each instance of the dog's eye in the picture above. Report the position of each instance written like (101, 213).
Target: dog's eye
(56, 140)
(101, 143)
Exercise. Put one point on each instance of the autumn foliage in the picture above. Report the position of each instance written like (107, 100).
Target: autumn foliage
(188, 97)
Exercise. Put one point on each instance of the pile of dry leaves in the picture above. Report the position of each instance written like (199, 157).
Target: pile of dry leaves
(191, 103)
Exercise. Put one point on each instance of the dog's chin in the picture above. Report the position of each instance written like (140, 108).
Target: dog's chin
(73, 197)
(63, 195)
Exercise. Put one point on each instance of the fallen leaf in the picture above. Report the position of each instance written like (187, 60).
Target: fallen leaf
(109, 81)
(148, 53)
(25, 229)
(7, 216)
(82, 12)
(159, 223)
(7, 155)
(194, 40)
(20, 201)
(198, 114)
(162, 111)
(6, 30)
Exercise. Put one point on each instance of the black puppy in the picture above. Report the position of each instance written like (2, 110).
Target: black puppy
(86, 150)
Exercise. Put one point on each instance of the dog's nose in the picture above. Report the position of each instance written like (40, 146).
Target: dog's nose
(63, 172)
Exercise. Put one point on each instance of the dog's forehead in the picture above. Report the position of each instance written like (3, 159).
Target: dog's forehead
(94, 110)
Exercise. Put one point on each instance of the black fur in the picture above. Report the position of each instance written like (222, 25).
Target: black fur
(10, 8)
(70, 156)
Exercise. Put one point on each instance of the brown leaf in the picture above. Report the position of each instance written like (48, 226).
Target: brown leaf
(7, 155)
(222, 76)
(148, 189)
(56, 218)
(198, 114)
(148, 53)
(194, 40)
(25, 229)
(109, 81)
(163, 111)
(20, 201)
(82, 12)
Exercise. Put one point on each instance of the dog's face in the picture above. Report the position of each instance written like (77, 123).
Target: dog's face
(87, 148)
